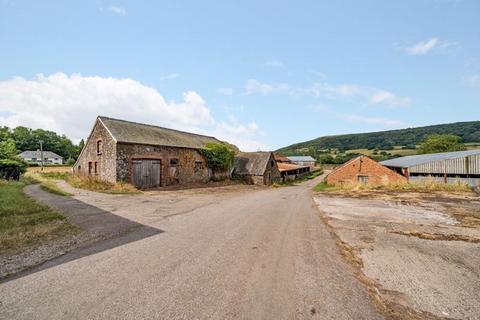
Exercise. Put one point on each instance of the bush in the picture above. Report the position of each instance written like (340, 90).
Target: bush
(11, 169)
(219, 156)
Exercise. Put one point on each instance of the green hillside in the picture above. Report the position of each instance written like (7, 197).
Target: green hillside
(384, 140)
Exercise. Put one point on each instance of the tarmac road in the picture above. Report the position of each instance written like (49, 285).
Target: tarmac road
(263, 254)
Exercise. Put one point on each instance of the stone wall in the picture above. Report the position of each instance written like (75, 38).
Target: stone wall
(374, 172)
(105, 159)
(272, 174)
(191, 166)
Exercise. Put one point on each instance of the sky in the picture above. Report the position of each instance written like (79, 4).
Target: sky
(259, 74)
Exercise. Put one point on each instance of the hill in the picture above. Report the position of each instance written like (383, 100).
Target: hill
(384, 140)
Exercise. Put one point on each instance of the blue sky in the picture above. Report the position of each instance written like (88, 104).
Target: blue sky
(261, 74)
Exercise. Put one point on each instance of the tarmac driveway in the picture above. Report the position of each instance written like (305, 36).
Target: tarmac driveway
(262, 254)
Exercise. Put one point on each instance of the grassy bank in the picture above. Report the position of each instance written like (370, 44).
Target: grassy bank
(25, 222)
(419, 186)
(47, 181)
(93, 184)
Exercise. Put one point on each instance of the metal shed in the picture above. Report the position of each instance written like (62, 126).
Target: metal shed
(451, 166)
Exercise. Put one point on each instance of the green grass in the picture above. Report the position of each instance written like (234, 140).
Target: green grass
(25, 222)
(47, 181)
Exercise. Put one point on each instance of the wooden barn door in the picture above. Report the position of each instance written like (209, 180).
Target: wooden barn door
(146, 173)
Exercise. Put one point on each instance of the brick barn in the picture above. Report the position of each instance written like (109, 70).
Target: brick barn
(256, 168)
(364, 170)
(145, 155)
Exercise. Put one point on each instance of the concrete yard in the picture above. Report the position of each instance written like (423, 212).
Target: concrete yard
(226, 253)
(420, 253)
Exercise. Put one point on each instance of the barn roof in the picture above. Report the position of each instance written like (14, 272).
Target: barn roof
(251, 163)
(139, 133)
(410, 161)
(37, 154)
(301, 158)
(288, 166)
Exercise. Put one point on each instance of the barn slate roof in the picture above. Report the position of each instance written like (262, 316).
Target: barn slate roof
(410, 161)
(251, 163)
(139, 133)
(37, 154)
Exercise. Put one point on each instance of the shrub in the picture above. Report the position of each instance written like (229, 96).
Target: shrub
(11, 169)
(219, 156)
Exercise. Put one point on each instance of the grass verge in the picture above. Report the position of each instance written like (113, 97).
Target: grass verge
(25, 222)
(425, 186)
(47, 181)
(93, 184)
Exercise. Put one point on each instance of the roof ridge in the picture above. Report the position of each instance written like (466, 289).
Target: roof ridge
(155, 126)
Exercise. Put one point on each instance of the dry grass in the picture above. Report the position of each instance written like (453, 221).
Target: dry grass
(47, 181)
(94, 184)
(25, 222)
(425, 186)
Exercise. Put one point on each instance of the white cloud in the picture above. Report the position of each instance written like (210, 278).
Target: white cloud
(69, 105)
(474, 80)
(371, 120)
(169, 76)
(244, 136)
(118, 10)
(427, 46)
(274, 64)
(226, 91)
(372, 95)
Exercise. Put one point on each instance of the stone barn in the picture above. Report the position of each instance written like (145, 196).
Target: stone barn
(256, 167)
(364, 170)
(144, 155)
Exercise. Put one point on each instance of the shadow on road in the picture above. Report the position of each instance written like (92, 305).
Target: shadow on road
(105, 229)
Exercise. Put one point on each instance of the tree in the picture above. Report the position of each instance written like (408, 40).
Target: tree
(8, 149)
(441, 143)
(219, 156)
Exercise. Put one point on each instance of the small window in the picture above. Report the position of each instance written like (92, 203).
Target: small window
(198, 165)
(79, 168)
(173, 162)
(34, 159)
(96, 167)
(90, 167)
(99, 146)
(363, 179)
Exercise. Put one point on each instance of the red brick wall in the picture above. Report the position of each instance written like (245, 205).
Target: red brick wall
(364, 166)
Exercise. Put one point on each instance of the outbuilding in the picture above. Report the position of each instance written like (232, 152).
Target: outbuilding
(448, 167)
(364, 170)
(145, 155)
(306, 161)
(256, 168)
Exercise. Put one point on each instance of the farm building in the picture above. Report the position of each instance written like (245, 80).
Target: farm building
(144, 155)
(281, 158)
(289, 171)
(363, 170)
(303, 161)
(36, 157)
(448, 167)
(256, 167)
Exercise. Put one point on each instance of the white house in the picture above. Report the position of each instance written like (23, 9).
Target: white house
(36, 157)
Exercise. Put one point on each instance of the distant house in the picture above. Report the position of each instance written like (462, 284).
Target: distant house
(36, 157)
(364, 170)
(256, 167)
(303, 161)
(448, 167)
(145, 155)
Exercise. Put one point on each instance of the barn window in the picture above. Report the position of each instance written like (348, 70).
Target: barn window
(90, 167)
(79, 168)
(99, 146)
(363, 179)
(96, 167)
(198, 165)
(173, 162)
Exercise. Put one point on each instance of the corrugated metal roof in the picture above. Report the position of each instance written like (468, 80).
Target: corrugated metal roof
(288, 166)
(251, 163)
(410, 161)
(37, 154)
(132, 132)
(301, 158)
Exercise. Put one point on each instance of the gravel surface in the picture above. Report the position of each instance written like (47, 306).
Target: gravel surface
(261, 254)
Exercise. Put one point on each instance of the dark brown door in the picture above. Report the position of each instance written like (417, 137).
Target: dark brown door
(146, 173)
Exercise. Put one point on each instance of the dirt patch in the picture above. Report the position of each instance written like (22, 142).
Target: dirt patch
(388, 238)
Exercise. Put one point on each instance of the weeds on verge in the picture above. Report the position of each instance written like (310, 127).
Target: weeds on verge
(94, 184)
